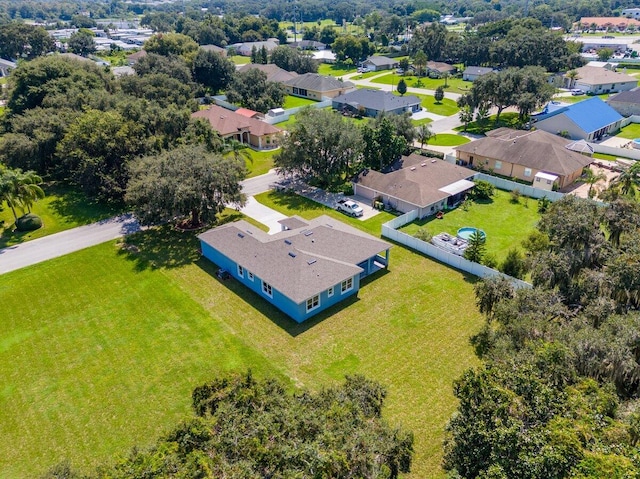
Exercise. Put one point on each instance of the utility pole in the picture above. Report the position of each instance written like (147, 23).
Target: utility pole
(295, 28)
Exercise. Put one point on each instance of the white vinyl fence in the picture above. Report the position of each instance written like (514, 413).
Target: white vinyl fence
(272, 120)
(526, 190)
(389, 230)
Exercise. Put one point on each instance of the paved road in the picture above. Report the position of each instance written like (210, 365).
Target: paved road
(59, 244)
(259, 184)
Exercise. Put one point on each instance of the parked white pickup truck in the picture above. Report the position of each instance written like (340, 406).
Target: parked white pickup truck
(350, 207)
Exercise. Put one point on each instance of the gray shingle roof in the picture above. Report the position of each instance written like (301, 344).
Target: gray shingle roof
(315, 82)
(273, 72)
(418, 180)
(376, 100)
(477, 70)
(301, 262)
(381, 61)
(533, 149)
(631, 96)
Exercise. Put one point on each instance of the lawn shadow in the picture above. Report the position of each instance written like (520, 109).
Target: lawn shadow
(160, 247)
(9, 236)
(294, 201)
(283, 321)
(73, 204)
(167, 247)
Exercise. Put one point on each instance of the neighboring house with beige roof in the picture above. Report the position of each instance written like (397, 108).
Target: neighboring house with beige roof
(626, 103)
(317, 87)
(247, 130)
(135, 57)
(416, 183)
(523, 154)
(308, 267)
(246, 48)
(440, 68)
(274, 72)
(214, 48)
(600, 80)
(619, 23)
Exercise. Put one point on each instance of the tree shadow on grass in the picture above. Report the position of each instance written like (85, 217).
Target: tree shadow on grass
(160, 247)
(294, 201)
(165, 246)
(73, 204)
(274, 314)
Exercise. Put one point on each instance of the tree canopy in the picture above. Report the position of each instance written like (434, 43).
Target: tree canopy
(556, 394)
(188, 182)
(251, 90)
(249, 428)
(321, 145)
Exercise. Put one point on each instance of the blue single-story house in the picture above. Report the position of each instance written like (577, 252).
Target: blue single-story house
(586, 120)
(302, 270)
(373, 102)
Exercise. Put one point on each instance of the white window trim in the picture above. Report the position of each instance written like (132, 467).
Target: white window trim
(330, 292)
(312, 299)
(498, 165)
(240, 271)
(267, 289)
(343, 288)
(250, 275)
(529, 170)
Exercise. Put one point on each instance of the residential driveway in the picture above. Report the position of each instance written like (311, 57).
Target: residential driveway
(263, 214)
(65, 242)
(331, 199)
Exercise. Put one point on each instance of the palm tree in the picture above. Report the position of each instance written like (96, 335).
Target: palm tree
(20, 189)
(573, 76)
(590, 178)
(28, 189)
(8, 189)
(420, 61)
(237, 149)
(424, 134)
(627, 182)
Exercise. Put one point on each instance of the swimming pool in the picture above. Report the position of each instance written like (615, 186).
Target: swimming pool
(466, 232)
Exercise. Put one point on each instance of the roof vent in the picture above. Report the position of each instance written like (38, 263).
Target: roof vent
(311, 261)
(250, 232)
(413, 168)
(292, 254)
(240, 235)
(423, 164)
(308, 233)
(287, 242)
(433, 161)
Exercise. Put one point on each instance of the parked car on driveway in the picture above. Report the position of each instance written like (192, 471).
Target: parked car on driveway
(350, 207)
(576, 92)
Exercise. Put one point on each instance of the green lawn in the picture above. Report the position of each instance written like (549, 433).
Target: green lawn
(577, 98)
(509, 120)
(631, 131)
(291, 101)
(446, 107)
(63, 208)
(505, 223)
(454, 85)
(109, 356)
(422, 121)
(447, 139)
(335, 70)
(262, 162)
(240, 59)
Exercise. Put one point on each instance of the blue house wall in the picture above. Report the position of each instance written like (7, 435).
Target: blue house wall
(298, 312)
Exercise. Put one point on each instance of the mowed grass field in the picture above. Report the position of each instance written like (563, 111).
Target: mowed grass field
(61, 209)
(101, 348)
(506, 224)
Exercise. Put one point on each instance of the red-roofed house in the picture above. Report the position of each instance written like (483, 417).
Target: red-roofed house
(256, 133)
(249, 113)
